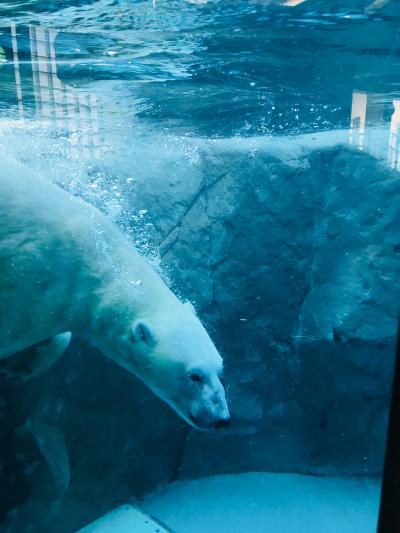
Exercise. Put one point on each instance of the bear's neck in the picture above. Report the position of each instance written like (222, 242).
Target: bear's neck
(132, 291)
(121, 285)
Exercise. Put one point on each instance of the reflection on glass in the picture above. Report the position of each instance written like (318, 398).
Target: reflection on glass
(366, 113)
(289, 3)
(72, 110)
(394, 144)
(358, 119)
(376, 5)
(293, 3)
(16, 70)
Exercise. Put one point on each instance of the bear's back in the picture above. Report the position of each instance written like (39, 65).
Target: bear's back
(43, 231)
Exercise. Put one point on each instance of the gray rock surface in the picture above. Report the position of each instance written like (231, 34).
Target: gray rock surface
(290, 250)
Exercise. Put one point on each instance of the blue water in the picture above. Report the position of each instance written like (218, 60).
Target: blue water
(221, 68)
(250, 150)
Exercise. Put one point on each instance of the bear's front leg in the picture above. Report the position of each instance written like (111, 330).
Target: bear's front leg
(34, 360)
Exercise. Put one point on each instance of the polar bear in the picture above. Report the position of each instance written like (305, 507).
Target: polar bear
(65, 270)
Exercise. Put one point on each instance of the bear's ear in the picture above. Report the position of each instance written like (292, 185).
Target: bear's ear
(142, 332)
(190, 307)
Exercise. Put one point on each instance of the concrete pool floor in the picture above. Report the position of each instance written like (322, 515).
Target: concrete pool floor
(252, 502)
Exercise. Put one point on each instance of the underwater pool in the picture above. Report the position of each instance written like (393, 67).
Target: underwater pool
(250, 150)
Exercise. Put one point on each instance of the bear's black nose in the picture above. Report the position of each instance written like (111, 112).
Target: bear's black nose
(222, 422)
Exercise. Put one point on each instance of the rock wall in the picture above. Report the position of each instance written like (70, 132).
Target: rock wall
(290, 250)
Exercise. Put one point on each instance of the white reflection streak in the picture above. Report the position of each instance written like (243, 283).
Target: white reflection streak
(16, 69)
(32, 43)
(394, 144)
(358, 118)
(94, 122)
(58, 86)
(43, 69)
(84, 118)
(71, 102)
(293, 3)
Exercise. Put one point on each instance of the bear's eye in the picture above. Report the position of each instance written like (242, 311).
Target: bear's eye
(196, 377)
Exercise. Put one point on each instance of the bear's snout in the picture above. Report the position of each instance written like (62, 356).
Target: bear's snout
(207, 419)
(206, 424)
(222, 422)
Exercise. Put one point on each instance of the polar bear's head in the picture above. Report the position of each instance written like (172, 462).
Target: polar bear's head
(177, 360)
